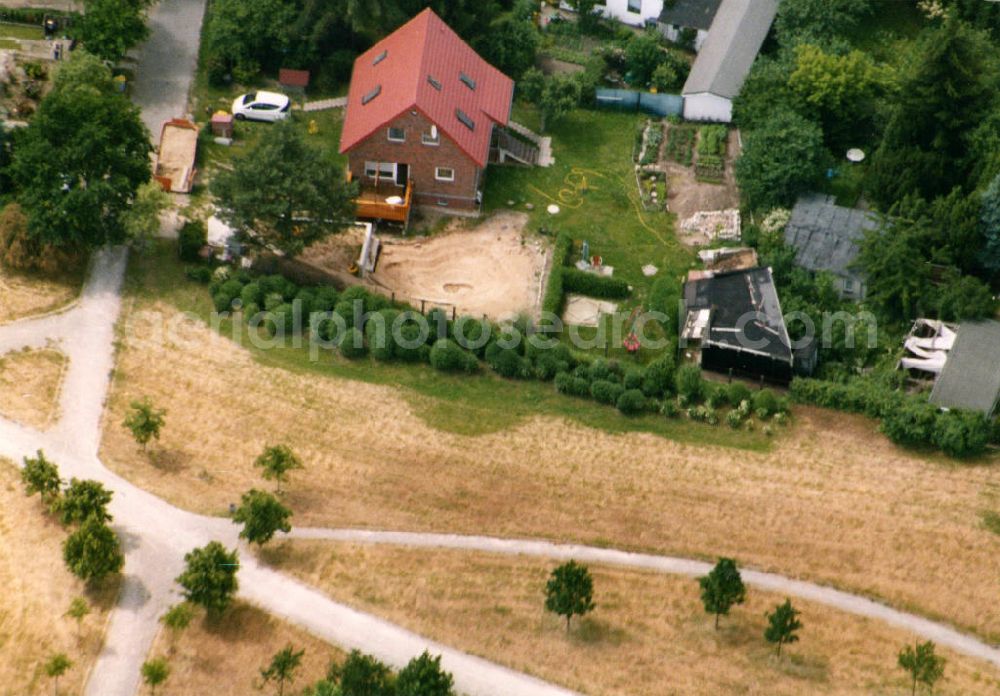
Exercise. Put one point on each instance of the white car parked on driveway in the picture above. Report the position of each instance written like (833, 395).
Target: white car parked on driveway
(262, 106)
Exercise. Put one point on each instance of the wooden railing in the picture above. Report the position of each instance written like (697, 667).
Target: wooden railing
(371, 204)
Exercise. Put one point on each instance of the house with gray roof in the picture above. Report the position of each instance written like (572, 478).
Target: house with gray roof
(688, 15)
(738, 30)
(827, 237)
(971, 376)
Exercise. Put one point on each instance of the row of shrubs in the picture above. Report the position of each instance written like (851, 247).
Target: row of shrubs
(564, 278)
(555, 292)
(906, 419)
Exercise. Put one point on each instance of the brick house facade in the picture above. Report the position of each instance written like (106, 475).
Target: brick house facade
(420, 120)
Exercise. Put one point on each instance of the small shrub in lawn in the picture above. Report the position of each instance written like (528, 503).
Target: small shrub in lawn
(378, 331)
(191, 239)
(325, 299)
(222, 302)
(506, 362)
(593, 285)
(631, 402)
(439, 323)
(581, 387)
(765, 403)
(412, 344)
(306, 297)
(352, 345)
(199, 274)
(689, 382)
(251, 294)
(345, 310)
(749, 425)
(564, 383)
(547, 364)
(250, 310)
(231, 287)
(633, 378)
(780, 419)
(734, 419)
(280, 321)
(738, 393)
(961, 434)
(448, 356)
(606, 392)
(716, 396)
(278, 284)
(658, 378)
(670, 409)
(601, 369)
(472, 334)
(273, 300)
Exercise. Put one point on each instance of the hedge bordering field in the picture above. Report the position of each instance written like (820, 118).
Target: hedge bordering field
(593, 285)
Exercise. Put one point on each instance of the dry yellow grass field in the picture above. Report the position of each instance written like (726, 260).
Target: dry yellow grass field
(37, 591)
(647, 636)
(30, 382)
(225, 658)
(23, 295)
(833, 502)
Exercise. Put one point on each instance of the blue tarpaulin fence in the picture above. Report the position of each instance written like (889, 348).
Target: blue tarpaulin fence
(629, 100)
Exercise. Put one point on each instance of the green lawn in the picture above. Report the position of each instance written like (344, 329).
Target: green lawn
(463, 404)
(21, 31)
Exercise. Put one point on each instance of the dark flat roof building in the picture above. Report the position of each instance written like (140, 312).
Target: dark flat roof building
(971, 376)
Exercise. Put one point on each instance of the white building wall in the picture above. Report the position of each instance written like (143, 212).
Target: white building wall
(618, 9)
(707, 107)
(673, 33)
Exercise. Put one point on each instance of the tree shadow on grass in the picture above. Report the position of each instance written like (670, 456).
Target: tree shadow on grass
(241, 622)
(593, 631)
(169, 461)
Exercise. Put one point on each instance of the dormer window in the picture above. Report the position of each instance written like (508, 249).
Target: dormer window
(371, 95)
(465, 120)
(380, 57)
(397, 135)
(434, 83)
(467, 81)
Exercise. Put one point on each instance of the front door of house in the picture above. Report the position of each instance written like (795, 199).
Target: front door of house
(402, 174)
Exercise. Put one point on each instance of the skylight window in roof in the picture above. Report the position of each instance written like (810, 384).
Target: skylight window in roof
(468, 81)
(380, 57)
(371, 95)
(466, 121)
(434, 83)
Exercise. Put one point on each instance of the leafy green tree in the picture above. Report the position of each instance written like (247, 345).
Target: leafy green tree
(911, 423)
(559, 95)
(964, 298)
(362, 675)
(284, 194)
(93, 551)
(41, 476)
(570, 591)
(142, 221)
(78, 611)
(283, 667)
(154, 673)
(722, 588)
(923, 666)
(643, 54)
(990, 226)
(109, 28)
(689, 382)
(240, 39)
(961, 434)
(175, 620)
(83, 500)
(897, 277)
(782, 625)
(262, 515)
(80, 161)
(209, 580)
(511, 45)
(782, 157)
(800, 21)
(55, 667)
(277, 461)
(944, 95)
(423, 676)
(144, 422)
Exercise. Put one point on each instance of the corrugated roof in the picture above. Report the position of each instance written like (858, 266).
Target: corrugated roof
(971, 376)
(693, 14)
(732, 44)
(422, 68)
(826, 236)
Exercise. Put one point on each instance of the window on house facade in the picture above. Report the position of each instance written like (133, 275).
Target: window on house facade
(431, 138)
(383, 170)
(848, 285)
(397, 135)
(635, 6)
(444, 174)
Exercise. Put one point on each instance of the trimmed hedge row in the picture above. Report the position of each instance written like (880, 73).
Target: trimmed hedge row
(555, 294)
(593, 285)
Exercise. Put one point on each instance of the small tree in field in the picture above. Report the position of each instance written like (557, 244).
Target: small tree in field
(922, 664)
(155, 672)
(84, 500)
(782, 625)
(210, 577)
(722, 588)
(57, 666)
(277, 461)
(78, 610)
(93, 551)
(262, 515)
(282, 668)
(41, 476)
(423, 676)
(177, 618)
(144, 422)
(570, 591)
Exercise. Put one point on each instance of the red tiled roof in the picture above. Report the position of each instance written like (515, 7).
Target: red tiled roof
(420, 55)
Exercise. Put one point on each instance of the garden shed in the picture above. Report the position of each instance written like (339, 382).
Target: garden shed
(971, 375)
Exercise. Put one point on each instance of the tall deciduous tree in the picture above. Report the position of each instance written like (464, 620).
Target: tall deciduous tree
(990, 226)
(80, 161)
(783, 156)
(277, 461)
(283, 667)
(423, 676)
(109, 28)
(93, 551)
(209, 580)
(284, 194)
(41, 476)
(570, 591)
(783, 625)
(800, 21)
(897, 276)
(722, 588)
(921, 664)
(262, 515)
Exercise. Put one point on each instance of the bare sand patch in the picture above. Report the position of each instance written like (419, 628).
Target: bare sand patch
(224, 657)
(30, 382)
(37, 591)
(26, 294)
(834, 502)
(648, 635)
(493, 269)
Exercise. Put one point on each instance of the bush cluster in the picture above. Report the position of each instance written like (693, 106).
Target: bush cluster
(555, 293)
(593, 285)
